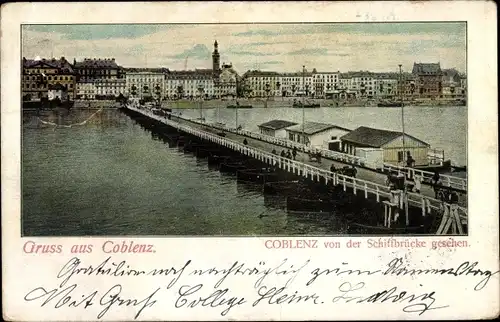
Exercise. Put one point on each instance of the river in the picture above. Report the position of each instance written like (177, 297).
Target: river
(110, 176)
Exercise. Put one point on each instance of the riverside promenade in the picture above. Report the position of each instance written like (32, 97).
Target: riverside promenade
(367, 183)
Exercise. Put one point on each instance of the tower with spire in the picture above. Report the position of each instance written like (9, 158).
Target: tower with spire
(216, 58)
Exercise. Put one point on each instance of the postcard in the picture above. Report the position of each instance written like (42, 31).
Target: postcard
(194, 161)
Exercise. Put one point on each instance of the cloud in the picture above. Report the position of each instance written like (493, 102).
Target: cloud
(264, 43)
(102, 31)
(261, 32)
(273, 62)
(249, 53)
(326, 47)
(199, 51)
(309, 51)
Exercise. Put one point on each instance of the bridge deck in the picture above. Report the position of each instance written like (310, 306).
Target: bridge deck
(362, 173)
(367, 182)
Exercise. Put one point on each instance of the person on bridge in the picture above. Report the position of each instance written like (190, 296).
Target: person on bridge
(354, 171)
(332, 168)
(410, 162)
(288, 154)
(436, 178)
(274, 152)
(283, 153)
(418, 183)
(294, 152)
(245, 142)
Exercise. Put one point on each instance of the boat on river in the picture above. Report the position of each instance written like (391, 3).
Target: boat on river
(389, 104)
(295, 204)
(45, 103)
(305, 105)
(239, 106)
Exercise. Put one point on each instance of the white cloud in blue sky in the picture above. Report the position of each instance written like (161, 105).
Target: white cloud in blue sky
(279, 47)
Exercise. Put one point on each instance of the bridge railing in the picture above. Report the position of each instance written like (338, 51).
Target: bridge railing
(450, 181)
(358, 185)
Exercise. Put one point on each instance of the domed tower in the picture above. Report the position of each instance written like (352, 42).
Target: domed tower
(216, 58)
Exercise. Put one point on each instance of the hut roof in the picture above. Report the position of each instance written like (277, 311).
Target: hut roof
(277, 124)
(375, 138)
(314, 127)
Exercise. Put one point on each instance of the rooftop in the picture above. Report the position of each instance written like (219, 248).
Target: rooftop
(375, 138)
(62, 64)
(96, 63)
(145, 70)
(277, 124)
(314, 127)
(426, 68)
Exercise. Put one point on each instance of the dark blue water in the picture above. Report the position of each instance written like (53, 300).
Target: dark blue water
(110, 176)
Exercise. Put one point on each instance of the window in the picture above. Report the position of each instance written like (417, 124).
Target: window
(291, 136)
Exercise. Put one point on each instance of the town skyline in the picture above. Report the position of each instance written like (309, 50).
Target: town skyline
(375, 47)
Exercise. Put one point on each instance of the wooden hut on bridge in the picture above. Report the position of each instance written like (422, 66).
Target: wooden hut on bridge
(391, 142)
(315, 134)
(276, 128)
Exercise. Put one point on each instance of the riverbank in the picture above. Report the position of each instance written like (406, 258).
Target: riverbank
(256, 103)
(96, 104)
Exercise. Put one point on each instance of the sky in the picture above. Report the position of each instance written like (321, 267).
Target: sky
(378, 47)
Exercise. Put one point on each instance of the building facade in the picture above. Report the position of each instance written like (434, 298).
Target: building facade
(452, 87)
(86, 90)
(99, 78)
(386, 85)
(97, 68)
(227, 81)
(325, 83)
(39, 74)
(190, 84)
(145, 83)
(428, 80)
(109, 88)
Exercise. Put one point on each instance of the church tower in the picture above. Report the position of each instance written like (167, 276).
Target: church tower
(216, 58)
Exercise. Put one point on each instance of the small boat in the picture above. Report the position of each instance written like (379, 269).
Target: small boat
(45, 103)
(216, 160)
(191, 147)
(232, 167)
(283, 187)
(257, 175)
(306, 105)
(239, 106)
(205, 152)
(309, 205)
(389, 104)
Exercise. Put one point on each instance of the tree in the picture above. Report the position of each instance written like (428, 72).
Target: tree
(121, 98)
(180, 91)
(158, 91)
(278, 86)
